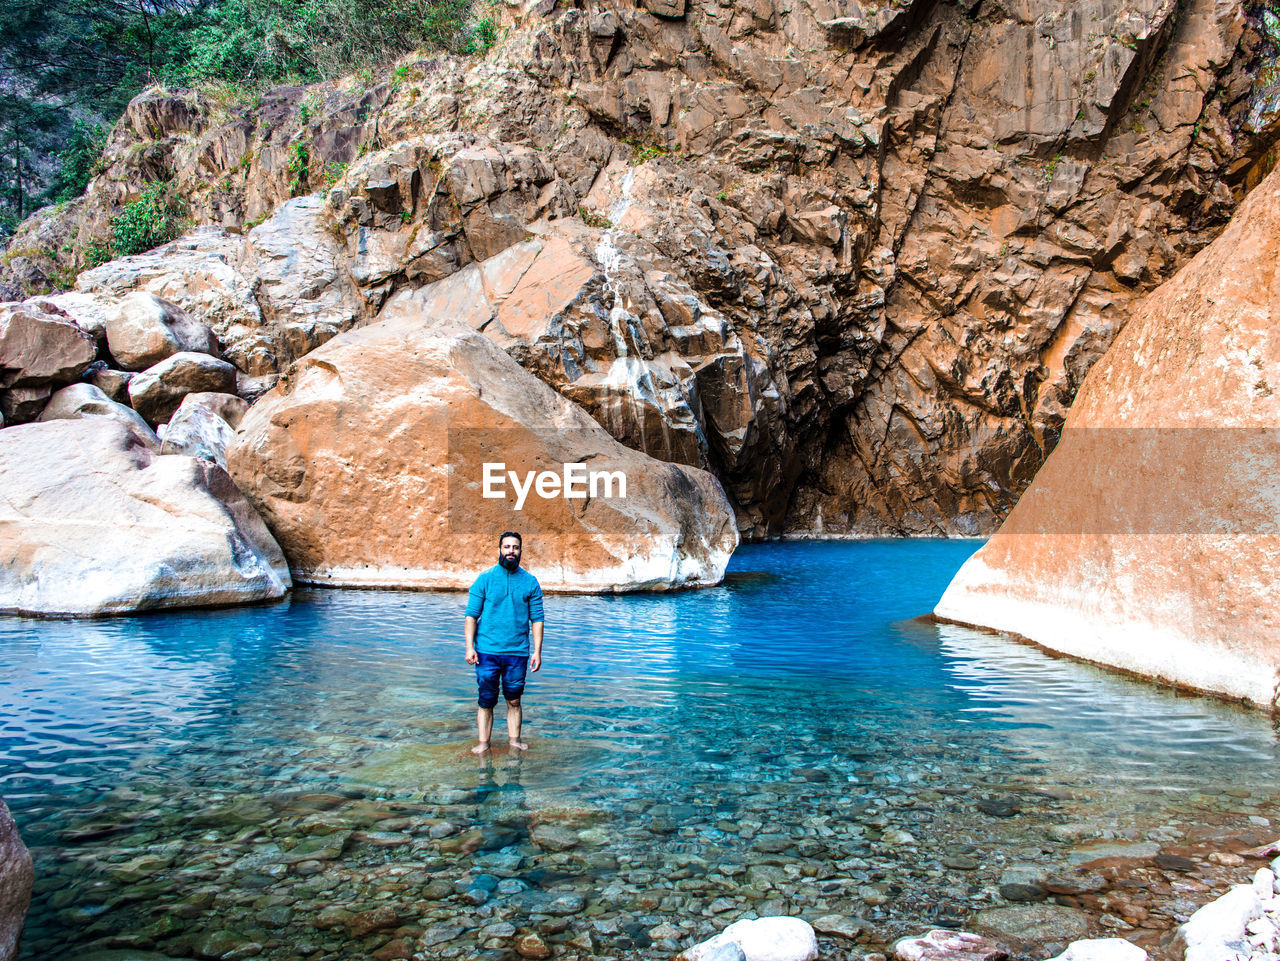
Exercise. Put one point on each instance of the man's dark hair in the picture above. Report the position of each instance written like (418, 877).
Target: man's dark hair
(503, 537)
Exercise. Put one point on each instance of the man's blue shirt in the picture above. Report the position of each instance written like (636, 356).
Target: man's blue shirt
(504, 604)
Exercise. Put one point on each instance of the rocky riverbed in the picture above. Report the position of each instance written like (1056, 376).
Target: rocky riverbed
(384, 861)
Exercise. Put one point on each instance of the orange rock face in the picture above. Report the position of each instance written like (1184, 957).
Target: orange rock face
(368, 462)
(1150, 540)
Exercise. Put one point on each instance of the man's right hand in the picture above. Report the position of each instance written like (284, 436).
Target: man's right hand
(472, 656)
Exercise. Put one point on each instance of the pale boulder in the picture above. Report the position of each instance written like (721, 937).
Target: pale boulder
(199, 427)
(96, 523)
(157, 391)
(759, 939)
(1150, 539)
(1102, 949)
(144, 329)
(229, 407)
(367, 463)
(85, 400)
(1208, 934)
(943, 945)
(16, 878)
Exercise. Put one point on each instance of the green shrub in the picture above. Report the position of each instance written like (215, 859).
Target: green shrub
(151, 220)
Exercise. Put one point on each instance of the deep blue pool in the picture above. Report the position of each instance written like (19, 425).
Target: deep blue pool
(172, 772)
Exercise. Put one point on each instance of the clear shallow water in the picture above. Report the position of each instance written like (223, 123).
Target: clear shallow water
(247, 782)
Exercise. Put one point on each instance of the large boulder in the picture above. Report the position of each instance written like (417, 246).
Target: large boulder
(94, 523)
(203, 426)
(39, 347)
(85, 400)
(157, 391)
(1150, 540)
(144, 329)
(604, 320)
(16, 877)
(368, 462)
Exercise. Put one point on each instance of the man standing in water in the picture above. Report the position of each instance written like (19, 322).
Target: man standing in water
(505, 606)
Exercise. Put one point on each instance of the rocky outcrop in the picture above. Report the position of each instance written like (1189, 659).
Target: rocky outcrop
(1149, 540)
(94, 522)
(369, 460)
(921, 223)
(41, 349)
(16, 878)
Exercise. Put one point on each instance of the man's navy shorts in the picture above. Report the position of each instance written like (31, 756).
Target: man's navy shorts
(506, 670)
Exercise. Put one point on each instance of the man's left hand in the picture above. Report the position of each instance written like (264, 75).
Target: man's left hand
(535, 661)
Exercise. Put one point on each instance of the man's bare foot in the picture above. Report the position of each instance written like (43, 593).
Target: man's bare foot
(480, 748)
(518, 745)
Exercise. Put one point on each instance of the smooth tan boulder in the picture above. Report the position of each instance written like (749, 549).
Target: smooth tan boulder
(1150, 540)
(93, 522)
(16, 878)
(144, 329)
(85, 400)
(367, 462)
(157, 391)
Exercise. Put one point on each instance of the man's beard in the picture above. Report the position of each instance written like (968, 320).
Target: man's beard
(509, 563)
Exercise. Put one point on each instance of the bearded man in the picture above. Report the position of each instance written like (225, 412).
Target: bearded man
(504, 609)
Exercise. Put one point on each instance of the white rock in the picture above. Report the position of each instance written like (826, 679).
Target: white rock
(946, 945)
(85, 400)
(1102, 949)
(759, 939)
(1264, 883)
(95, 523)
(198, 430)
(1207, 932)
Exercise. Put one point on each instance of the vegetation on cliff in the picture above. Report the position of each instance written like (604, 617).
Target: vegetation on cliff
(68, 69)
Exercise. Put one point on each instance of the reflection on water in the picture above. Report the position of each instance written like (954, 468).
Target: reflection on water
(293, 780)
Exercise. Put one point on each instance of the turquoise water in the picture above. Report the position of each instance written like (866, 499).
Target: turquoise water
(292, 780)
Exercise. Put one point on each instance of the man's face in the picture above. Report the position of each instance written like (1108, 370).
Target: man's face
(509, 553)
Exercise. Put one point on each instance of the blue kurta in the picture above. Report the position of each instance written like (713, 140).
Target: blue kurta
(504, 604)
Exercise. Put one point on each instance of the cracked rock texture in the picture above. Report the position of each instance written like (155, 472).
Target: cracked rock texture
(854, 258)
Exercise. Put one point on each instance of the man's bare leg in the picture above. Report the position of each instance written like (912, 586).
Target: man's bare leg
(514, 716)
(484, 727)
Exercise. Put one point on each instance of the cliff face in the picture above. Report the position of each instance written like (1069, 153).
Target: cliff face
(856, 259)
(1149, 540)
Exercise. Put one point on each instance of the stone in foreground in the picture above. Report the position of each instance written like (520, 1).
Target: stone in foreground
(942, 945)
(1150, 540)
(758, 939)
(1102, 949)
(16, 877)
(94, 522)
(367, 462)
